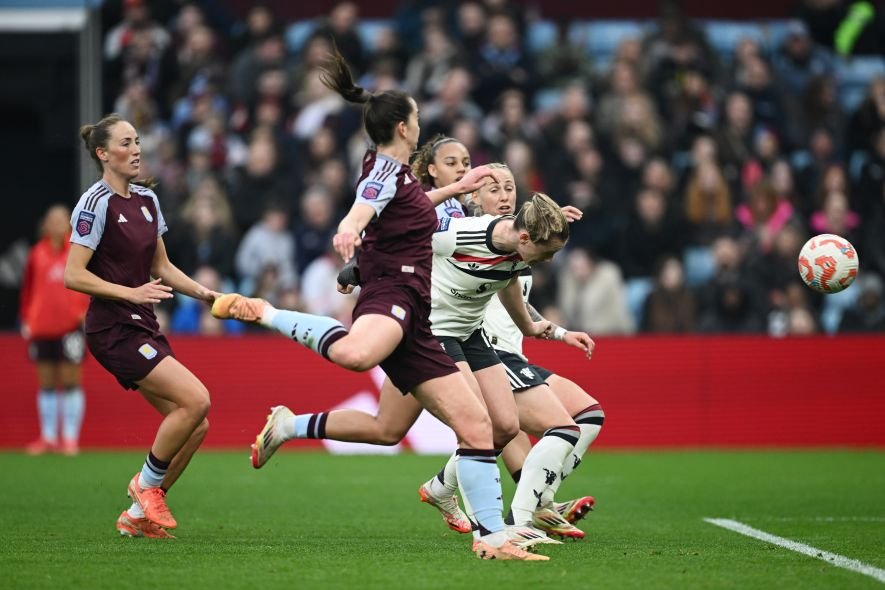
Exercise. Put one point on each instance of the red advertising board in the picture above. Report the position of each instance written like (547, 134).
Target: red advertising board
(666, 392)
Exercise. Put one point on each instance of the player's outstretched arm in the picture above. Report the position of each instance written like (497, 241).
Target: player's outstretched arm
(162, 268)
(471, 181)
(511, 298)
(351, 227)
(580, 340)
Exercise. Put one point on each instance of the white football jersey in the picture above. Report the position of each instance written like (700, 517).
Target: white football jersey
(451, 207)
(467, 271)
(499, 326)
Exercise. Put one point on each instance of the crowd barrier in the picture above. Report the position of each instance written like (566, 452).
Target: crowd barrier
(657, 392)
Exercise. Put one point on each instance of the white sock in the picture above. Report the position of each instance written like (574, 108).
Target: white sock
(47, 408)
(589, 431)
(541, 469)
(73, 405)
(445, 483)
(135, 511)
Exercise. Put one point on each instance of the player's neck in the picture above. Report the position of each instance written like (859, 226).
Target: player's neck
(504, 236)
(395, 151)
(118, 184)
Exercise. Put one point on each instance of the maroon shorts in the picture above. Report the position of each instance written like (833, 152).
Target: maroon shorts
(128, 352)
(419, 356)
(70, 348)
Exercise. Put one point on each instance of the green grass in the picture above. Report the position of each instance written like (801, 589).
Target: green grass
(317, 521)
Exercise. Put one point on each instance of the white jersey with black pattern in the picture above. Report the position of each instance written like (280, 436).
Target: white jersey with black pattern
(467, 272)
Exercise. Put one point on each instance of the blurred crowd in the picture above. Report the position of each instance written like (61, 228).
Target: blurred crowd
(701, 174)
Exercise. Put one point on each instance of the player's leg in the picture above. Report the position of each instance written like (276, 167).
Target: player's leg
(589, 416)
(47, 407)
(498, 397)
(450, 400)
(542, 415)
(514, 455)
(168, 381)
(372, 338)
(73, 406)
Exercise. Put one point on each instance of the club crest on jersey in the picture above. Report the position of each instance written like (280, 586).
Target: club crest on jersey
(372, 190)
(443, 224)
(147, 351)
(146, 213)
(84, 223)
(398, 312)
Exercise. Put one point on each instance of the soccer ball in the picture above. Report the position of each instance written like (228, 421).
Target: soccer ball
(828, 263)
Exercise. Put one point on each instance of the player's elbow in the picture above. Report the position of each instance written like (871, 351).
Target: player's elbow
(71, 278)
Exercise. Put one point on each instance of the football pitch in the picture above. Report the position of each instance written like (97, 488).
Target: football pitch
(311, 520)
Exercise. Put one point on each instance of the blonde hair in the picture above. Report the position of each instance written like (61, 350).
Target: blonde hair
(473, 202)
(543, 219)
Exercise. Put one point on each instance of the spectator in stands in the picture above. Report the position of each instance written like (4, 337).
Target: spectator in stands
(650, 234)
(265, 259)
(869, 118)
(591, 295)
(136, 19)
(248, 67)
(871, 186)
(734, 136)
(315, 228)
(427, 71)
(708, 205)
(564, 63)
(836, 217)
(657, 175)
(451, 104)
(622, 176)
(763, 216)
(767, 100)
(798, 59)
(821, 108)
(319, 294)
(623, 81)
(729, 301)
(834, 179)
(782, 181)
(670, 307)
(340, 26)
(472, 26)
(502, 63)
(691, 109)
(206, 235)
(510, 120)
(868, 314)
(260, 22)
(259, 181)
(822, 149)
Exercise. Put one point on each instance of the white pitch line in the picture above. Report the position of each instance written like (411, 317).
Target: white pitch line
(831, 558)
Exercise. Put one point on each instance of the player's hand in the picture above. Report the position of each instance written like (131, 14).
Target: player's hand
(208, 295)
(580, 340)
(477, 178)
(345, 289)
(542, 329)
(572, 214)
(345, 243)
(153, 292)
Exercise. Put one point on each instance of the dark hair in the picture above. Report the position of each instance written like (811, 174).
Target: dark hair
(97, 135)
(425, 156)
(382, 111)
(543, 219)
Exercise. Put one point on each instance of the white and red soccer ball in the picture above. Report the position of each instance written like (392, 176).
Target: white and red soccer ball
(828, 263)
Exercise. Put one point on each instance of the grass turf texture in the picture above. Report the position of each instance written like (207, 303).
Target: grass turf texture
(317, 521)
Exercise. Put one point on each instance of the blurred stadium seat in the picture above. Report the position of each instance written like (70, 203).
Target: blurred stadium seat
(541, 35)
(853, 76)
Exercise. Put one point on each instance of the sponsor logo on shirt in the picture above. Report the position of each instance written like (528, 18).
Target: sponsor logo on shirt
(443, 224)
(121, 219)
(84, 223)
(527, 373)
(147, 351)
(146, 213)
(372, 190)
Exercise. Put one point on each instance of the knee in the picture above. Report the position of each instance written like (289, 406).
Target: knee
(505, 432)
(476, 432)
(200, 404)
(389, 436)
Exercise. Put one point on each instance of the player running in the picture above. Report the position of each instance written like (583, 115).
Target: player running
(116, 247)
(391, 326)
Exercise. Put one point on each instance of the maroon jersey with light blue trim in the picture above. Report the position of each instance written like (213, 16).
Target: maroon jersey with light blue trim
(397, 243)
(123, 233)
